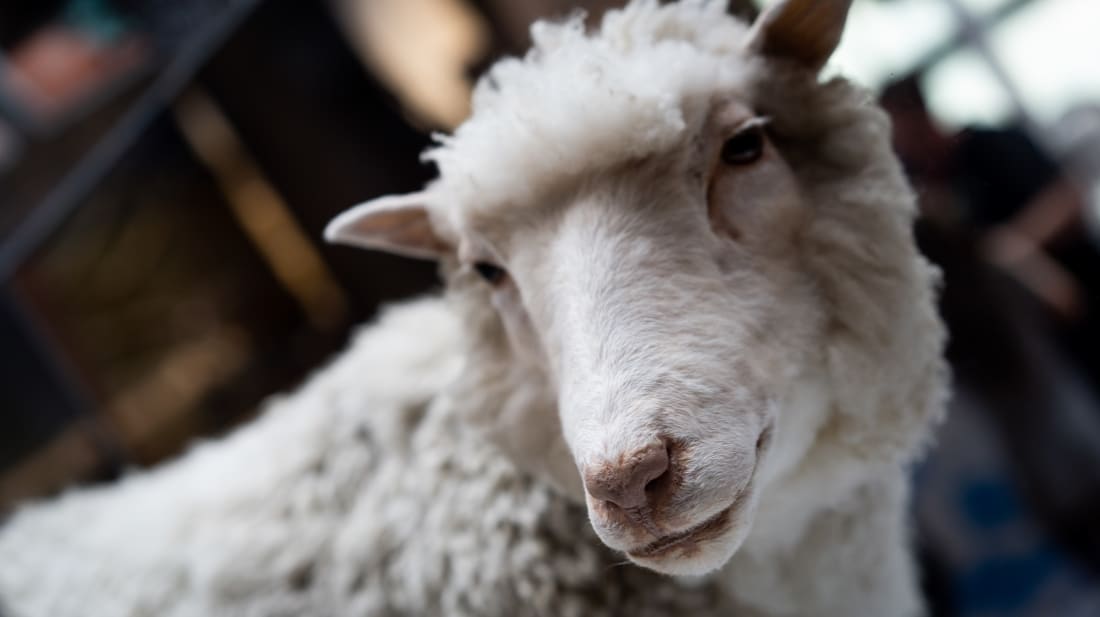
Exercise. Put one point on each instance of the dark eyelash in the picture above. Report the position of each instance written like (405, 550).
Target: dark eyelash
(746, 146)
(490, 272)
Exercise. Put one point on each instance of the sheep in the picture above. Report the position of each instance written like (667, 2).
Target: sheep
(686, 353)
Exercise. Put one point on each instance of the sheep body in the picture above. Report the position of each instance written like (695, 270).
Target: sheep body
(423, 473)
(359, 495)
(354, 496)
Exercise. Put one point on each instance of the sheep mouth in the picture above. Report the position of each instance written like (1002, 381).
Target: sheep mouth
(689, 540)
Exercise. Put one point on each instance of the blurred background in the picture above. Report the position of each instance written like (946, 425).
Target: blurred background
(166, 169)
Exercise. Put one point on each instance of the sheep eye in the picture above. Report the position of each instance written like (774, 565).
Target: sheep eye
(491, 273)
(745, 147)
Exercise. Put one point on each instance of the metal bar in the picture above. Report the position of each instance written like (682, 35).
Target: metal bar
(60, 203)
(961, 37)
(975, 34)
(58, 370)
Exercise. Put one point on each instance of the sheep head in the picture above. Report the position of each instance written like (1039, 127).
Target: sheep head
(643, 209)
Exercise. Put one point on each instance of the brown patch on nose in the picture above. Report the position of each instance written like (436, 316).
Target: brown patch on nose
(630, 481)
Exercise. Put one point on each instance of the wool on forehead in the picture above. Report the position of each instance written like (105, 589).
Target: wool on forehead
(580, 102)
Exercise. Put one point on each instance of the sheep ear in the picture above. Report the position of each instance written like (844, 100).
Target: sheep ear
(805, 31)
(398, 224)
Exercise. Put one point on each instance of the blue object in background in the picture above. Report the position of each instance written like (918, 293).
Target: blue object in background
(972, 517)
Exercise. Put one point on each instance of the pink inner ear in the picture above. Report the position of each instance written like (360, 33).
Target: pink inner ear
(399, 225)
(405, 231)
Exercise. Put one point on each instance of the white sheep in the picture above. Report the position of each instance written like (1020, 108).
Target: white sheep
(682, 291)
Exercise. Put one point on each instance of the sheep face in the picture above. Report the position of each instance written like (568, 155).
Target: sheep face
(666, 301)
(660, 294)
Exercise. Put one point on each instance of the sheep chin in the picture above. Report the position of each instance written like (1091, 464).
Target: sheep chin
(703, 548)
(694, 556)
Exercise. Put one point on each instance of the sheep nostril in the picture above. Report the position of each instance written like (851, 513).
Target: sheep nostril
(661, 480)
(628, 484)
(764, 439)
(656, 485)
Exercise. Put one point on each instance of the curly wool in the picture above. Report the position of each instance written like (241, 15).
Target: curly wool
(354, 496)
(391, 484)
(643, 71)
